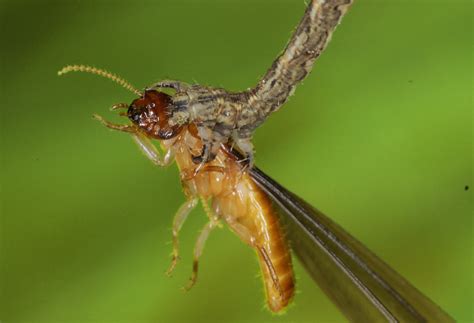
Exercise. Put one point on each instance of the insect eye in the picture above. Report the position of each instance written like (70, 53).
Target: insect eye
(134, 113)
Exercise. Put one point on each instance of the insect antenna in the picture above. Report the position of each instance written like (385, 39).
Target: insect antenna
(100, 72)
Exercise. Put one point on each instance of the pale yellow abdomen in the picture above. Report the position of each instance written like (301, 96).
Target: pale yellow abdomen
(248, 212)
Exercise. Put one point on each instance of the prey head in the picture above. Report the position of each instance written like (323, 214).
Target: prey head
(150, 113)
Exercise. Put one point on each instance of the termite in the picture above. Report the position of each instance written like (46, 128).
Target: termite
(225, 189)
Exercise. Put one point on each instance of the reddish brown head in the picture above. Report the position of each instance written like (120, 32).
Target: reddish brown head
(151, 114)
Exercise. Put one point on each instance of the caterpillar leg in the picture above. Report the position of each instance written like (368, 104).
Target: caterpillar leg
(178, 221)
(246, 146)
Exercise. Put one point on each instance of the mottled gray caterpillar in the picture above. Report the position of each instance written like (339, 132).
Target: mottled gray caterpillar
(221, 115)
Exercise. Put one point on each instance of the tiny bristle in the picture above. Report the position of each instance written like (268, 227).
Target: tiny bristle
(100, 72)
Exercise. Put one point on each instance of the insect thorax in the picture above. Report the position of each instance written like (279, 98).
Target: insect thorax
(219, 115)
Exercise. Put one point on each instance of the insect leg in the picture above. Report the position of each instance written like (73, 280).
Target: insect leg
(150, 150)
(213, 217)
(119, 127)
(171, 84)
(178, 221)
(119, 106)
(246, 235)
(271, 270)
(199, 246)
(187, 176)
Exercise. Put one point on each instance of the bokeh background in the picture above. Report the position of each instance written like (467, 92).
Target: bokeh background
(379, 137)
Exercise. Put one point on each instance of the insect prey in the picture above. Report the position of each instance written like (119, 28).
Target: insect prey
(226, 191)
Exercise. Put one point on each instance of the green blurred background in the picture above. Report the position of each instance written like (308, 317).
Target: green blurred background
(379, 137)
